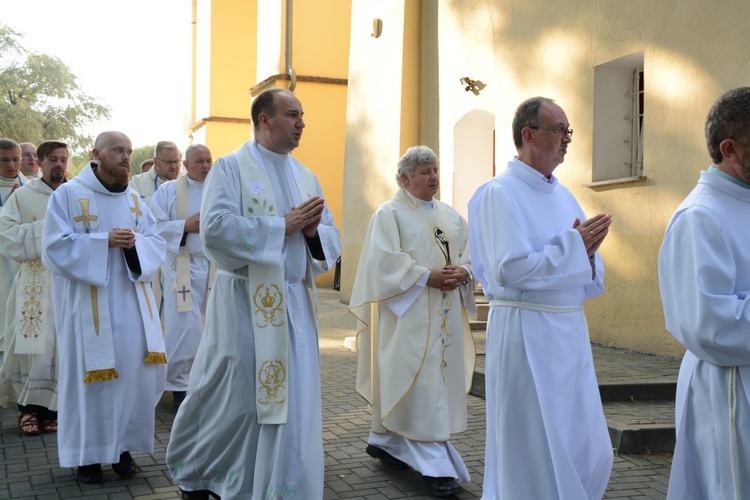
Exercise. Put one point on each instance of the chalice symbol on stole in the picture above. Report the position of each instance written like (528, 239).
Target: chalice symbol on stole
(443, 244)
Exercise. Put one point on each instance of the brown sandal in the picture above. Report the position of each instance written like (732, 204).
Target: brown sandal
(49, 425)
(28, 424)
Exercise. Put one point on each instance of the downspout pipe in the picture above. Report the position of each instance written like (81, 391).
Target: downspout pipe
(288, 56)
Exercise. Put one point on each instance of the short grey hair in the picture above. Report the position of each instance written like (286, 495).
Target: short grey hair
(414, 156)
(729, 118)
(528, 114)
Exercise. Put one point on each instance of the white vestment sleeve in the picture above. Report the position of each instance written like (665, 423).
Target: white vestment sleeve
(150, 246)
(329, 239)
(75, 256)
(162, 206)
(560, 264)
(230, 239)
(702, 309)
(18, 241)
(401, 303)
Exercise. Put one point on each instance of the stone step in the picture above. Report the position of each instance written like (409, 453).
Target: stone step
(483, 311)
(637, 392)
(478, 325)
(636, 426)
(641, 427)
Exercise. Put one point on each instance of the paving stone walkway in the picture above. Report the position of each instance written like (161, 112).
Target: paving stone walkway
(29, 467)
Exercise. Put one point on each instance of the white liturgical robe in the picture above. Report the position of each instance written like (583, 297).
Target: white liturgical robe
(217, 443)
(147, 183)
(704, 276)
(99, 420)
(421, 357)
(8, 267)
(546, 433)
(29, 373)
(182, 329)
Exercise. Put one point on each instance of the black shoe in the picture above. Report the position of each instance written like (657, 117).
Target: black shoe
(388, 460)
(89, 474)
(179, 397)
(442, 486)
(198, 495)
(126, 466)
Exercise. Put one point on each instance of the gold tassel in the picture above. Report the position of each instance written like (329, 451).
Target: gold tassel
(156, 358)
(100, 375)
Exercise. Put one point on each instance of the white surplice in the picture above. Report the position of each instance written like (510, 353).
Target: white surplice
(182, 330)
(28, 379)
(546, 433)
(704, 276)
(421, 354)
(216, 442)
(99, 421)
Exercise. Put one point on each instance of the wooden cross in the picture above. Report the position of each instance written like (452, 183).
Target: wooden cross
(85, 217)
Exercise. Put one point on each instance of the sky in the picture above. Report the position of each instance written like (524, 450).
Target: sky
(133, 56)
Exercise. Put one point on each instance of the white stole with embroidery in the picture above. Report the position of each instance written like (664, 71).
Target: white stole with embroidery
(182, 283)
(268, 291)
(96, 324)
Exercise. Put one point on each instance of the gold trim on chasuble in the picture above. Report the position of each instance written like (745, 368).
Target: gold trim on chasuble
(272, 372)
(30, 323)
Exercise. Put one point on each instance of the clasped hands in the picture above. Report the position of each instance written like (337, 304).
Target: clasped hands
(305, 217)
(447, 278)
(593, 231)
(121, 238)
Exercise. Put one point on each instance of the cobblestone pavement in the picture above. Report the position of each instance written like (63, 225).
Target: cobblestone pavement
(29, 467)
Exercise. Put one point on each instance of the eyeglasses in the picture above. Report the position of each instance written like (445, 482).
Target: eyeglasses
(10, 160)
(561, 131)
(170, 162)
(29, 155)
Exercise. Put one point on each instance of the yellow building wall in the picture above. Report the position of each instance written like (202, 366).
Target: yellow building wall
(383, 115)
(235, 35)
(225, 52)
(693, 52)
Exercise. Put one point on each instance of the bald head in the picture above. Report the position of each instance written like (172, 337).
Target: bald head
(197, 162)
(105, 138)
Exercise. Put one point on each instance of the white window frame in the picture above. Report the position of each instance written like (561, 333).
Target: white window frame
(618, 133)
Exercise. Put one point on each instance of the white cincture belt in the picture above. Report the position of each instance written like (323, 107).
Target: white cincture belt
(534, 307)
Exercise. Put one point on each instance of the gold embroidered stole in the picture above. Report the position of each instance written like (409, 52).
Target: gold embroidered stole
(96, 323)
(268, 302)
(32, 315)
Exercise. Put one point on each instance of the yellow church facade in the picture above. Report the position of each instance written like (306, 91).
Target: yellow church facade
(635, 78)
(241, 48)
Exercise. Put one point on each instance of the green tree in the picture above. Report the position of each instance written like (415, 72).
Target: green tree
(140, 154)
(40, 98)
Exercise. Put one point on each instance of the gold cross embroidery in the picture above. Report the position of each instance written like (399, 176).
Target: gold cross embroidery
(135, 209)
(85, 217)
